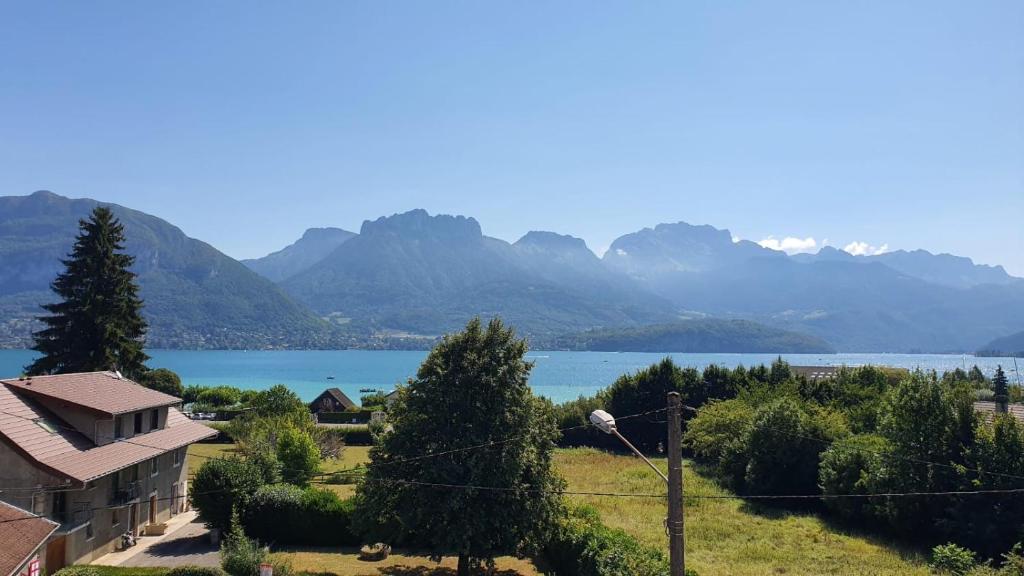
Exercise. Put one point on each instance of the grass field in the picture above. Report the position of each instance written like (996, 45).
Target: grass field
(345, 562)
(723, 537)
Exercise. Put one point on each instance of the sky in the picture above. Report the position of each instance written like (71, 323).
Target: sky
(871, 125)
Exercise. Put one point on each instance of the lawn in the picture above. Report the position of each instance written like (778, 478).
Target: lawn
(723, 537)
(728, 537)
(347, 563)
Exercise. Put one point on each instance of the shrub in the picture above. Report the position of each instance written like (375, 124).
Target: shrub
(195, 571)
(286, 514)
(582, 546)
(77, 571)
(299, 456)
(221, 485)
(847, 467)
(239, 554)
(952, 559)
(644, 391)
(219, 396)
(162, 380)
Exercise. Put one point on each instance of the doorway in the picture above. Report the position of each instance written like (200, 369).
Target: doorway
(152, 509)
(133, 519)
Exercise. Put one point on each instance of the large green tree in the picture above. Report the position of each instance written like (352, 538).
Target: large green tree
(429, 484)
(1000, 386)
(97, 324)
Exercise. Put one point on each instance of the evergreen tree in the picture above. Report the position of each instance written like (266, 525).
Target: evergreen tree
(97, 325)
(1001, 386)
(470, 391)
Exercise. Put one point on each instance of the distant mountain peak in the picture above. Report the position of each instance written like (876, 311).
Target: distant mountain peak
(418, 223)
(551, 241)
(314, 245)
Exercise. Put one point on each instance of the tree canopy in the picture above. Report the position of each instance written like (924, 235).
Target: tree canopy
(470, 391)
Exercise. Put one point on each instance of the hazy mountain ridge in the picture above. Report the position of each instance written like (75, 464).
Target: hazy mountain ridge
(314, 245)
(195, 296)
(1012, 345)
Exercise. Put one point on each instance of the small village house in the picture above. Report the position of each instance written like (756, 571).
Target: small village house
(22, 536)
(95, 453)
(332, 400)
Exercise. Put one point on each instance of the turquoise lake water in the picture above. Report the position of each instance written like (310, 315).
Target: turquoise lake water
(560, 376)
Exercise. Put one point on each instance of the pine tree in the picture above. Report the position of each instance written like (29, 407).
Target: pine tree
(97, 325)
(1000, 385)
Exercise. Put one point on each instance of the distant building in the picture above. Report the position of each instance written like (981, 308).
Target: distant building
(814, 372)
(95, 453)
(989, 409)
(22, 535)
(332, 400)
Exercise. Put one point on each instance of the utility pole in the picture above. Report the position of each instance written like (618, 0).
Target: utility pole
(676, 538)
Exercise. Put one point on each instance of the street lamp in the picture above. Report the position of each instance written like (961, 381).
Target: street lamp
(605, 422)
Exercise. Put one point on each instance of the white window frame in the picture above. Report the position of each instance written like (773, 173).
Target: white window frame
(177, 457)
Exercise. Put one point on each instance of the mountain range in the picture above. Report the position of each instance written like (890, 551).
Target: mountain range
(407, 278)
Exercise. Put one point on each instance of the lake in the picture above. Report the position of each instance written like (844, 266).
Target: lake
(560, 376)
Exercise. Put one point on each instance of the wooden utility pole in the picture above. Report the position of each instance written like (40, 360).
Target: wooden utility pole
(676, 539)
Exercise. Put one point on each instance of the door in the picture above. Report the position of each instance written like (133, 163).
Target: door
(55, 554)
(175, 501)
(152, 509)
(133, 519)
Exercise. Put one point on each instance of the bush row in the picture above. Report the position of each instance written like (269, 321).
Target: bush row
(582, 546)
(286, 514)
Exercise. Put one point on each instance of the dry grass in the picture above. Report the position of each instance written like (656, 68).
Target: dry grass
(728, 537)
(345, 562)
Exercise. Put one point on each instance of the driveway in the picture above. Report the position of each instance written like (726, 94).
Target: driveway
(189, 545)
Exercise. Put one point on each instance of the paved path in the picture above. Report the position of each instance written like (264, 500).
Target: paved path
(186, 542)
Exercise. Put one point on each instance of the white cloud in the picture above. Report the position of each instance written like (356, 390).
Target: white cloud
(736, 239)
(790, 244)
(865, 249)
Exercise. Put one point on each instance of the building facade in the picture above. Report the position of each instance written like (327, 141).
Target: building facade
(95, 453)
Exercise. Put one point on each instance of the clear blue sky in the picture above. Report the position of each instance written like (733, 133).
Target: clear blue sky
(887, 123)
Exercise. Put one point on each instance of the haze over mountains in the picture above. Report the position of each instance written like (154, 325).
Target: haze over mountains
(410, 277)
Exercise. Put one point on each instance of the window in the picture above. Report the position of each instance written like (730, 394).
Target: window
(177, 457)
(138, 423)
(118, 427)
(154, 419)
(154, 469)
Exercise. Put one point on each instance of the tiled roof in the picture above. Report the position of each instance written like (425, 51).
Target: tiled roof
(104, 392)
(988, 408)
(339, 396)
(63, 451)
(21, 533)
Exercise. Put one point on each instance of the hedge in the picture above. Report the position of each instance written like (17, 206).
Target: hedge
(582, 546)
(286, 514)
(360, 417)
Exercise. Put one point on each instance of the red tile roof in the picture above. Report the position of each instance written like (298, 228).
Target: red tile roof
(21, 533)
(67, 453)
(989, 408)
(103, 392)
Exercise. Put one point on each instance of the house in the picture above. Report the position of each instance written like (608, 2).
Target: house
(22, 535)
(988, 409)
(97, 454)
(813, 373)
(332, 400)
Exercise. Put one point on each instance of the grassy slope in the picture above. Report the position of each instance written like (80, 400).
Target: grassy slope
(727, 537)
(723, 537)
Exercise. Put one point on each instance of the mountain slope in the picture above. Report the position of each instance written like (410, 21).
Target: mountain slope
(314, 245)
(425, 274)
(1012, 345)
(707, 335)
(195, 296)
(853, 303)
(942, 269)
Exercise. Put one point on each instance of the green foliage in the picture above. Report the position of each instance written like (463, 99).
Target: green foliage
(952, 559)
(784, 444)
(77, 571)
(239, 554)
(719, 434)
(299, 456)
(1000, 385)
(278, 401)
(162, 380)
(195, 571)
(287, 514)
(191, 393)
(478, 378)
(582, 546)
(644, 391)
(223, 485)
(374, 400)
(847, 467)
(97, 324)
(219, 396)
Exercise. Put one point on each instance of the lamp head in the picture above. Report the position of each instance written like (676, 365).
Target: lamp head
(603, 421)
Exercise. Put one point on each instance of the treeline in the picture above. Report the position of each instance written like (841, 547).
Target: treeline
(864, 431)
